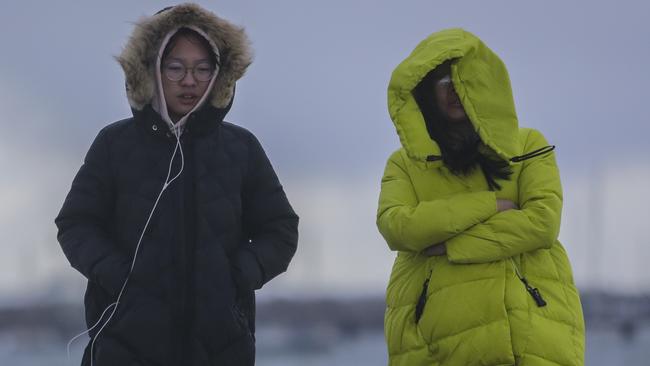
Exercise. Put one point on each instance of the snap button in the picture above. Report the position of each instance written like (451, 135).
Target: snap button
(154, 127)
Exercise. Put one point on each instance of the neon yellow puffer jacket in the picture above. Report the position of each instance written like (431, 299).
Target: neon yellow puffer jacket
(475, 307)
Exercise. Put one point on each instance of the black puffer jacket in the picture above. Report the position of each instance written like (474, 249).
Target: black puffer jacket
(221, 230)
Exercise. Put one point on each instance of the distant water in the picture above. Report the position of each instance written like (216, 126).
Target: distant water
(277, 347)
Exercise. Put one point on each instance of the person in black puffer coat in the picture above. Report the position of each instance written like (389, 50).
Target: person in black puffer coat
(176, 217)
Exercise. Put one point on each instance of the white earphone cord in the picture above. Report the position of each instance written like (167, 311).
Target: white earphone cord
(177, 132)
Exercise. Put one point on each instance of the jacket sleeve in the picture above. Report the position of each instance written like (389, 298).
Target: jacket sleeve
(408, 224)
(535, 225)
(270, 224)
(83, 220)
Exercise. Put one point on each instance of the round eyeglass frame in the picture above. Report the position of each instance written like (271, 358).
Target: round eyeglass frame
(193, 70)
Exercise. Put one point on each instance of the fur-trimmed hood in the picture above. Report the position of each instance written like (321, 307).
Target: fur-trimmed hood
(138, 59)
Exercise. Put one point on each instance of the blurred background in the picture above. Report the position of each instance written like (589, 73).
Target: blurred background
(316, 98)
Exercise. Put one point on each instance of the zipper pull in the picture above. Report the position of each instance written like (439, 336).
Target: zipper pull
(422, 300)
(534, 292)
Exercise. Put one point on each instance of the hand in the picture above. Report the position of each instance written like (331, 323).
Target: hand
(435, 250)
(503, 205)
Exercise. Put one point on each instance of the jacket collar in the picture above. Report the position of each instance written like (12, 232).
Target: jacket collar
(203, 121)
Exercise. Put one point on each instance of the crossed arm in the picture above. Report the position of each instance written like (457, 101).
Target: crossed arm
(473, 227)
(440, 249)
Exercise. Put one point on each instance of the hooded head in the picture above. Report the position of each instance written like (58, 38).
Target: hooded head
(142, 57)
(480, 80)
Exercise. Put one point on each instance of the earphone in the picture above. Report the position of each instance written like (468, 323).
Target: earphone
(177, 131)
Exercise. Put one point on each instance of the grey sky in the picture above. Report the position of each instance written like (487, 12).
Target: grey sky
(321, 70)
(316, 97)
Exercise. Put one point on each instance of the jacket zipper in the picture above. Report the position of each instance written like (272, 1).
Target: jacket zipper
(534, 292)
(185, 240)
(422, 300)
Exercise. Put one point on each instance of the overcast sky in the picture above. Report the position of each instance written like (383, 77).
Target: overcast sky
(316, 98)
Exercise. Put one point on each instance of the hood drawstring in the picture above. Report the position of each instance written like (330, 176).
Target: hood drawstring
(532, 154)
(516, 159)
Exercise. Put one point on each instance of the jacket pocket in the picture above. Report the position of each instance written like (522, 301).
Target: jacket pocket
(533, 291)
(422, 300)
(240, 318)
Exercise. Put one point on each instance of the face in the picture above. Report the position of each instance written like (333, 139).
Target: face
(448, 101)
(182, 95)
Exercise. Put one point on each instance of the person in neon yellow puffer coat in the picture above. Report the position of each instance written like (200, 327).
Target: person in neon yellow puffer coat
(472, 204)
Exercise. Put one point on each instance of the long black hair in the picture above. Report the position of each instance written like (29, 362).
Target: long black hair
(461, 147)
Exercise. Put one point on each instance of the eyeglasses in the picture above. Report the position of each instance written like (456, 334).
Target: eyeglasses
(445, 82)
(446, 85)
(176, 71)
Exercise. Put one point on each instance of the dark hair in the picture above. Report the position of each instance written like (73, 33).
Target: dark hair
(194, 37)
(461, 147)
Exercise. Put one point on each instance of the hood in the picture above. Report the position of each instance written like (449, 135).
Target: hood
(139, 57)
(481, 81)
